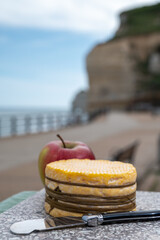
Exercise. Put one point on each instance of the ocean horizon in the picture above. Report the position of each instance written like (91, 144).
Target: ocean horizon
(23, 110)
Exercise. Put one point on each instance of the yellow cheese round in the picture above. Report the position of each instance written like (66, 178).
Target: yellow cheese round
(96, 179)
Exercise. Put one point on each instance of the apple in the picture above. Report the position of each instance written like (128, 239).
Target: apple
(60, 150)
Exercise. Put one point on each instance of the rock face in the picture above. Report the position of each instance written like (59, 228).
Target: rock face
(117, 68)
(80, 102)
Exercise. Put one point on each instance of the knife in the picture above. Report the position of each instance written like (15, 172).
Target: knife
(51, 223)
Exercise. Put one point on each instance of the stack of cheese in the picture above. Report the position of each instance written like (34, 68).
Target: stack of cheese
(75, 187)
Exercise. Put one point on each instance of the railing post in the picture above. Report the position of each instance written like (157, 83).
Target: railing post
(40, 123)
(50, 122)
(54, 122)
(27, 122)
(58, 121)
(13, 125)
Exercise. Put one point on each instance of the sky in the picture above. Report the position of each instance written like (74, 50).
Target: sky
(44, 44)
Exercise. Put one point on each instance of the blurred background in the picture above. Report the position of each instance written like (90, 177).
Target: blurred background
(89, 70)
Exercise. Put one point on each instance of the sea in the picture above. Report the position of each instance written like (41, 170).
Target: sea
(20, 121)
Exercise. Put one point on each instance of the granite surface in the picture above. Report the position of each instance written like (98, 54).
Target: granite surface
(32, 208)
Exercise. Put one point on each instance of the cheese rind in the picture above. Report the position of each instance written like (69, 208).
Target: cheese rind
(101, 192)
(97, 172)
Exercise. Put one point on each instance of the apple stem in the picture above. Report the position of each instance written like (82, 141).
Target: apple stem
(64, 145)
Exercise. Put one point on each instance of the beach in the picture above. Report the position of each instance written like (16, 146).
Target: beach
(105, 135)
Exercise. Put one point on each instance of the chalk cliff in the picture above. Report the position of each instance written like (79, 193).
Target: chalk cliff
(126, 69)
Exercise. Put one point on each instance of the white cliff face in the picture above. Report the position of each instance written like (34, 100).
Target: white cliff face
(112, 69)
(154, 63)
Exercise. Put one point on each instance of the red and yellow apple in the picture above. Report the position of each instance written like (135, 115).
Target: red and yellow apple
(60, 150)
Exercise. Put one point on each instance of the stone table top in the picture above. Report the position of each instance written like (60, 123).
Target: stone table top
(32, 208)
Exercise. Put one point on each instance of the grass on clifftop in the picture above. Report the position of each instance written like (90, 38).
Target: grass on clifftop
(142, 20)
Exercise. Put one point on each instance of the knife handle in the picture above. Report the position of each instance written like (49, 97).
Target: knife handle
(131, 216)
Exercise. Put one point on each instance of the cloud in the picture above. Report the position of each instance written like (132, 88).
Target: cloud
(94, 16)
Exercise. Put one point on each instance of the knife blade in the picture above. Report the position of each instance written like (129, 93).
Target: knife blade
(45, 224)
(51, 223)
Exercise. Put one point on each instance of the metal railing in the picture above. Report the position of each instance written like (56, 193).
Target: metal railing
(18, 125)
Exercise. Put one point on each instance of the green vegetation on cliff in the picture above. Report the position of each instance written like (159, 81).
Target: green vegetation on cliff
(142, 20)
